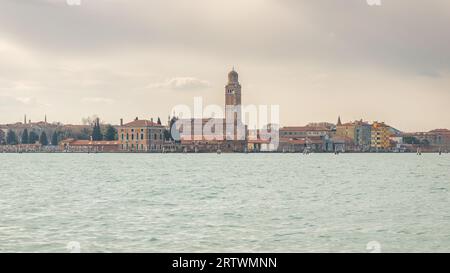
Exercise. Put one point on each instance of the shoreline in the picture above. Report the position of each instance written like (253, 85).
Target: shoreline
(301, 153)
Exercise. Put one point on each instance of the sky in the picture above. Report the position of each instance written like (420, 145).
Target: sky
(316, 59)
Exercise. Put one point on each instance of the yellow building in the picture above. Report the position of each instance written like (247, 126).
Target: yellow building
(380, 139)
(346, 130)
(141, 136)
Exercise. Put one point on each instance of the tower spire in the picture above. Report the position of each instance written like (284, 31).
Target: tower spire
(339, 123)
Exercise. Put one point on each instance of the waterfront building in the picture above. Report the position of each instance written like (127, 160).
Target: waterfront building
(358, 131)
(341, 144)
(304, 131)
(141, 136)
(327, 125)
(380, 136)
(300, 138)
(21, 148)
(432, 141)
(227, 134)
(74, 145)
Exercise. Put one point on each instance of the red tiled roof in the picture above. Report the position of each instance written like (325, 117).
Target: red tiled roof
(304, 128)
(354, 123)
(141, 123)
(441, 131)
(93, 143)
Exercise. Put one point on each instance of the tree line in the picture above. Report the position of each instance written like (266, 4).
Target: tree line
(12, 138)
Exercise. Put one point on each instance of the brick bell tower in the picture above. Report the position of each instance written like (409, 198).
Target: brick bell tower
(233, 98)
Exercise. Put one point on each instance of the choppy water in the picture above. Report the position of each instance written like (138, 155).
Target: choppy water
(224, 203)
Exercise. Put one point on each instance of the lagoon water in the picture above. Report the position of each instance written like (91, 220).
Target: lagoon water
(225, 203)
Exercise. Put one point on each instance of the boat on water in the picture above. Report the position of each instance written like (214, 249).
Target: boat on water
(219, 151)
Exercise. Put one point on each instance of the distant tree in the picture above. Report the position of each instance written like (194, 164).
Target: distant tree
(2, 137)
(411, 140)
(90, 120)
(97, 132)
(11, 138)
(168, 132)
(43, 139)
(55, 138)
(111, 133)
(159, 121)
(25, 137)
(33, 137)
(425, 142)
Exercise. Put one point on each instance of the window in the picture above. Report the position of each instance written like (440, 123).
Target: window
(132, 137)
(142, 136)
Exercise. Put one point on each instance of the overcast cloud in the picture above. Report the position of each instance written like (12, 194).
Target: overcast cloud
(317, 59)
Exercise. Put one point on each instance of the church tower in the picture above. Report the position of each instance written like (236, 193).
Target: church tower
(233, 98)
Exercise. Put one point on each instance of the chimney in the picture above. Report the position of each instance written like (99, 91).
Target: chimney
(25, 119)
(151, 120)
(121, 122)
(136, 118)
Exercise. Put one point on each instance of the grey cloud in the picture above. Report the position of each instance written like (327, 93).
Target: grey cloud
(112, 48)
(14, 102)
(181, 83)
(408, 35)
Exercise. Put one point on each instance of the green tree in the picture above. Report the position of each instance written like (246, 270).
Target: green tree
(55, 139)
(425, 142)
(25, 137)
(411, 140)
(168, 132)
(111, 133)
(97, 132)
(2, 137)
(33, 137)
(11, 138)
(43, 139)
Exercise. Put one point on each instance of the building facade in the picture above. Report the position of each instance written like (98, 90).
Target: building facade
(227, 134)
(304, 131)
(101, 146)
(141, 136)
(359, 132)
(380, 137)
